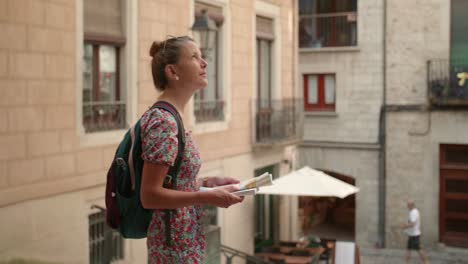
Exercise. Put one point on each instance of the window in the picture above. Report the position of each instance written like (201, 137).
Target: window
(319, 92)
(327, 23)
(104, 106)
(265, 37)
(105, 244)
(209, 102)
(458, 36)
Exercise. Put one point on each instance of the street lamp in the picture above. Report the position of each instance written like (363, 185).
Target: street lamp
(204, 31)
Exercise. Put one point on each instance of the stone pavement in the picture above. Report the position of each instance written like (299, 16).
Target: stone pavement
(395, 256)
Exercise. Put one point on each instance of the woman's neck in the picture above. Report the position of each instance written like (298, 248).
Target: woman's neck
(176, 97)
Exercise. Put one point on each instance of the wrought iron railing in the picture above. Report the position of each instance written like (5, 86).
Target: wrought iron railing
(105, 244)
(277, 121)
(231, 253)
(104, 116)
(448, 82)
(328, 30)
(206, 111)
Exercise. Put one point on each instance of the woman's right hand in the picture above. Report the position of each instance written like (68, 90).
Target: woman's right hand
(222, 196)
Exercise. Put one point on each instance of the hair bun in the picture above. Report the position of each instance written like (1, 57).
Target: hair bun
(155, 47)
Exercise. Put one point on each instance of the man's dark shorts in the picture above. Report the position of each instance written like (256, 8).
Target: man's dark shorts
(413, 243)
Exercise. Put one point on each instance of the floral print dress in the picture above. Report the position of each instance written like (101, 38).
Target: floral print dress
(160, 144)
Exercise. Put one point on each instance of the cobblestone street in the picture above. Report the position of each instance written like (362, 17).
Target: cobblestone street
(391, 256)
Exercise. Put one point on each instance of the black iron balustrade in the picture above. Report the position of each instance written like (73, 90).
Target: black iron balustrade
(231, 253)
(104, 116)
(206, 111)
(105, 244)
(277, 121)
(328, 30)
(447, 82)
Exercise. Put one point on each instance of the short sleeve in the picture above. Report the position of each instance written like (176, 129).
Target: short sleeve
(159, 137)
(413, 216)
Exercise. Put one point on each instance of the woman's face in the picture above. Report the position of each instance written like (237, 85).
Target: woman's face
(191, 67)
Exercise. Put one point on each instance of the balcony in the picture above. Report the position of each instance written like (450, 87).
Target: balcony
(328, 30)
(448, 83)
(209, 111)
(277, 122)
(104, 116)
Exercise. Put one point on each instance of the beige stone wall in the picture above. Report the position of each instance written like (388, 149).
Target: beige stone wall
(359, 81)
(411, 42)
(414, 137)
(39, 151)
(332, 141)
(50, 175)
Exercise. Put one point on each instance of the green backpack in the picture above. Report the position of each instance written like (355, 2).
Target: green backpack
(125, 212)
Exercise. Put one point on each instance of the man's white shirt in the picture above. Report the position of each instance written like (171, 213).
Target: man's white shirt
(413, 217)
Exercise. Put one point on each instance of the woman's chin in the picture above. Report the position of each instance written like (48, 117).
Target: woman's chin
(202, 86)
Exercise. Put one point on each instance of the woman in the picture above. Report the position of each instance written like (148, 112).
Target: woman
(178, 70)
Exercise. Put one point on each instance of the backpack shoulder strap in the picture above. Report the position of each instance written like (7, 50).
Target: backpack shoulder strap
(171, 109)
(171, 178)
(180, 132)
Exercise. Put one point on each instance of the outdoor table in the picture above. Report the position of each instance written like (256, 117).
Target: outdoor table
(313, 251)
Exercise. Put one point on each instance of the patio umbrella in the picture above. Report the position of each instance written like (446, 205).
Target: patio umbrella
(309, 182)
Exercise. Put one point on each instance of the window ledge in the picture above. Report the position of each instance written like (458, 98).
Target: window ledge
(209, 127)
(102, 138)
(318, 113)
(330, 49)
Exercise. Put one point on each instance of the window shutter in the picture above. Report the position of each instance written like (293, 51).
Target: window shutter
(103, 17)
(265, 28)
(214, 12)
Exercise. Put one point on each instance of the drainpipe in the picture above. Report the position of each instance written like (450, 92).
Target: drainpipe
(382, 136)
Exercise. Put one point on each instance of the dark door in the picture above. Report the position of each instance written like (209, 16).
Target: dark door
(453, 217)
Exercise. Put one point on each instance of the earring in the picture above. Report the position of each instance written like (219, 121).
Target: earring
(177, 78)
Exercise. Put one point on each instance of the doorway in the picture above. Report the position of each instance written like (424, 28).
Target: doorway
(329, 218)
(266, 213)
(453, 212)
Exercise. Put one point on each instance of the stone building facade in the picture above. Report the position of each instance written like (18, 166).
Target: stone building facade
(58, 138)
(388, 124)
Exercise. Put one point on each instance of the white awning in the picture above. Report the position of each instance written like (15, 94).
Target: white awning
(309, 182)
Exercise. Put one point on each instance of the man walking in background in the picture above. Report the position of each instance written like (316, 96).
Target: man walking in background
(413, 230)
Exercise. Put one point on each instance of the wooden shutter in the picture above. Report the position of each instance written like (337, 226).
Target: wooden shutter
(103, 18)
(265, 28)
(453, 193)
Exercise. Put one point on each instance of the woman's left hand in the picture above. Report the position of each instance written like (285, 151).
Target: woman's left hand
(219, 181)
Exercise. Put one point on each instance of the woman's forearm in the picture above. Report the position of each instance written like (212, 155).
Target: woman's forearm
(162, 198)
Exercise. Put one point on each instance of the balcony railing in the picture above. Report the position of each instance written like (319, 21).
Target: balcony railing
(277, 121)
(328, 30)
(207, 111)
(104, 116)
(105, 244)
(448, 82)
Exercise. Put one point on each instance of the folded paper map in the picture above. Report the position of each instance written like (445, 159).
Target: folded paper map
(250, 186)
(263, 180)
